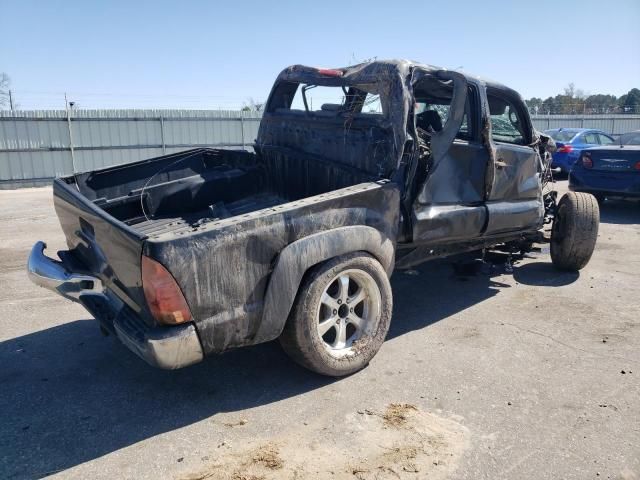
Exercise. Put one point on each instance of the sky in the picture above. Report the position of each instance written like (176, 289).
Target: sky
(209, 54)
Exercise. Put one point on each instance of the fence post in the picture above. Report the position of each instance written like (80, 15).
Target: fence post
(73, 156)
(164, 146)
(242, 127)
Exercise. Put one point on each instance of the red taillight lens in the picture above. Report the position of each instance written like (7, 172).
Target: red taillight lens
(586, 161)
(164, 297)
(329, 72)
(565, 149)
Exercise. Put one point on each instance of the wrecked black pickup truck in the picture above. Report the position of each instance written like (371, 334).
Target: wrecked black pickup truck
(206, 250)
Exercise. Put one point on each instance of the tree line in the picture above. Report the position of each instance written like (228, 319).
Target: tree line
(574, 101)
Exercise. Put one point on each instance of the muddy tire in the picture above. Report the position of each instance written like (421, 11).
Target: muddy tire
(340, 317)
(575, 230)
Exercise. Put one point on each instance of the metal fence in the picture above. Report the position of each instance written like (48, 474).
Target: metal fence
(612, 124)
(36, 146)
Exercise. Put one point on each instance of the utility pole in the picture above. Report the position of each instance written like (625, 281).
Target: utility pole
(10, 101)
(73, 156)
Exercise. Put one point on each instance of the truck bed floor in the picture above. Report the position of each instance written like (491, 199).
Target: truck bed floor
(156, 226)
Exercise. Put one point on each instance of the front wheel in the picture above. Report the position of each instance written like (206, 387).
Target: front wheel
(575, 230)
(340, 317)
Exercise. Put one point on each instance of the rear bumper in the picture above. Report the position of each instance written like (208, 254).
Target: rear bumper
(563, 161)
(621, 184)
(169, 347)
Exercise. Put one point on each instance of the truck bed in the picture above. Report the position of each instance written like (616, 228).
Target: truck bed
(187, 190)
(192, 221)
(110, 217)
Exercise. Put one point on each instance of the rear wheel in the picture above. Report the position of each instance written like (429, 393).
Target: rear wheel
(341, 316)
(575, 230)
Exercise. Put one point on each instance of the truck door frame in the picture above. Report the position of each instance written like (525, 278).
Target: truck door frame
(514, 199)
(447, 208)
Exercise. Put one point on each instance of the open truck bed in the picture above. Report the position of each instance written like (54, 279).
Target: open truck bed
(199, 186)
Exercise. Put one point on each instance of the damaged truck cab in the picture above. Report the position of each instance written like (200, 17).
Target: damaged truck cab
(202, 251)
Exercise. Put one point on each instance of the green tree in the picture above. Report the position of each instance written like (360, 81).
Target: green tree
(534, 104)
(630, 103)
(549, 106)
(600, 103)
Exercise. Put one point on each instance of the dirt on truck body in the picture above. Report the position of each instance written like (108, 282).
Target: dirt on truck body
(202, 251)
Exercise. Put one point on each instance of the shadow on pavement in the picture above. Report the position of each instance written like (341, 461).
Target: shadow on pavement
(619, 211)
(69, 396)
(543, 274)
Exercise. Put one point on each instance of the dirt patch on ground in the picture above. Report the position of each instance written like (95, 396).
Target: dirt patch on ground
(397, 414)
(397, 442)
(268, 456)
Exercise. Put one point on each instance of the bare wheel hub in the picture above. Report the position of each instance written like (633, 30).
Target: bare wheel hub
(349, 309)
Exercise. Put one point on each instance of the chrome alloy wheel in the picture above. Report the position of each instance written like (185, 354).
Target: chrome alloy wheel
(349, 310)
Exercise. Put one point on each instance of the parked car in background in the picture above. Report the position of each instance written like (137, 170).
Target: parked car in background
(570, 143)
(608, 171)
(629, 138)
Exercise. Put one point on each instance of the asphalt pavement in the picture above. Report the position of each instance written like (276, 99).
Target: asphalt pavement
(489, 371)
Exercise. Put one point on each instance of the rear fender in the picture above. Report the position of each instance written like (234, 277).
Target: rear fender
(298, 257)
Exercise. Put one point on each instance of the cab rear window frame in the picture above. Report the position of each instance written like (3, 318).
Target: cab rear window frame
(285, 92)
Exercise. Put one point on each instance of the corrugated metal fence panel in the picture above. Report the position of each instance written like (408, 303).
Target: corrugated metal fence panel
(30, 165)
(203, 132)
(251, 129)
(35, 145)
(27, 135)
(613, 124)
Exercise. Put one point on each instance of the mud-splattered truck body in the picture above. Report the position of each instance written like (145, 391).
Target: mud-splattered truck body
(205, 250)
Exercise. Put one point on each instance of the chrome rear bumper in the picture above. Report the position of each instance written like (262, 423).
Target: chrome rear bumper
(167, 347)
(52, 274)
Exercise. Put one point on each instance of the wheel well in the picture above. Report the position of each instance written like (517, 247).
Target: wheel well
(300, 257)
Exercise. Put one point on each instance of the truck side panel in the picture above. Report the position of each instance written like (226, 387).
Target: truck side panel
(224, 268)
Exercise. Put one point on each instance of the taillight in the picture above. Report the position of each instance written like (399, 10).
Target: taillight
(565, 149)
(164, 297)
(330, 72)
(637, 166)
(586, 161)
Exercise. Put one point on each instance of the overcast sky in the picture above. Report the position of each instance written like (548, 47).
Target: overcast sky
(205, 54)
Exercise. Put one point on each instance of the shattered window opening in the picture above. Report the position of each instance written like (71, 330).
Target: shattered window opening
(354, 99)
(506, 121)
(443, 113)
(372, 104)
(433, 99)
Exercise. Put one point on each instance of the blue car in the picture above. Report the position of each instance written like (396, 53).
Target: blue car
(570, 143)
(609, 171)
